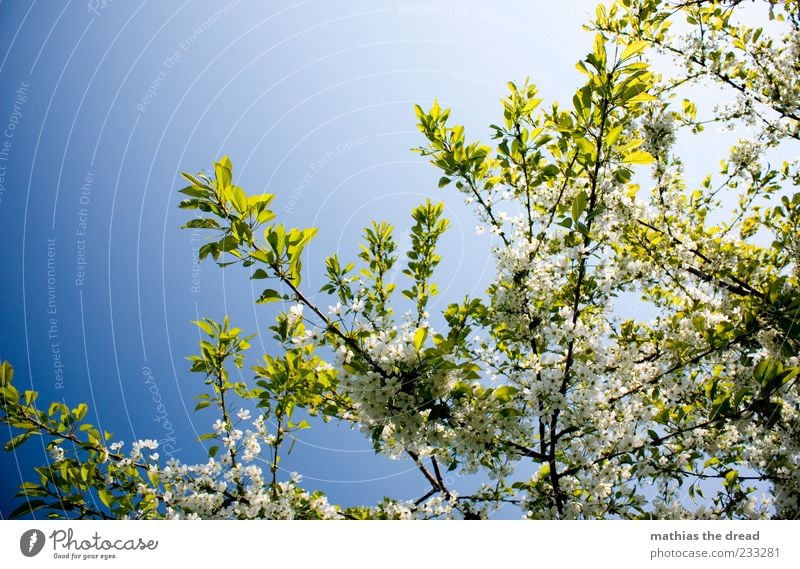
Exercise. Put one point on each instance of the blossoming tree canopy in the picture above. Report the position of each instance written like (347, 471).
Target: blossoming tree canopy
(690, 412)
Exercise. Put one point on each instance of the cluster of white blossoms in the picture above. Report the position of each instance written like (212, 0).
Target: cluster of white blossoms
(613, 393)
(538, 308)
(745, 156)
(435, 507)
(57, 453)
(148, 444)
(390, 399)
(762, 69)
(216, 490)
(658, 132)
(776, 78)
(406, 404)
(295, 314)
(234, 486)
(231, 487)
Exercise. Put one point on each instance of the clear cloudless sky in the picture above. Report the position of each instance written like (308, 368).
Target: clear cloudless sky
(104, 102)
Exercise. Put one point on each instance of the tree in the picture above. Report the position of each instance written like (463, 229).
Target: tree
(620, 416)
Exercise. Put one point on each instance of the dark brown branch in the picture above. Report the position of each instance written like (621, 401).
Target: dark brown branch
(425, 472)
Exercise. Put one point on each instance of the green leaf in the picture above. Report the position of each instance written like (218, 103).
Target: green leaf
(764, 371)
(18, 440)
(222, 169)
(505, 393)
(204, 326)
(6, 373)
(260, 199)
(206, 223)
(194, 191)
(639, 157)
(194, 180)
(633, 48)
(269, 295)
(544, 471)
(662, 417)
(600, 47)
(238, 199)
(586, 146)
(80, 411)
(419, 338)
(28, 507)
(579, 205)
(27, 489)
(106, 497)
(306, 235)
(613, 135)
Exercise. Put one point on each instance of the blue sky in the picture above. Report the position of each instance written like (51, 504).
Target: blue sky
(106, 101)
